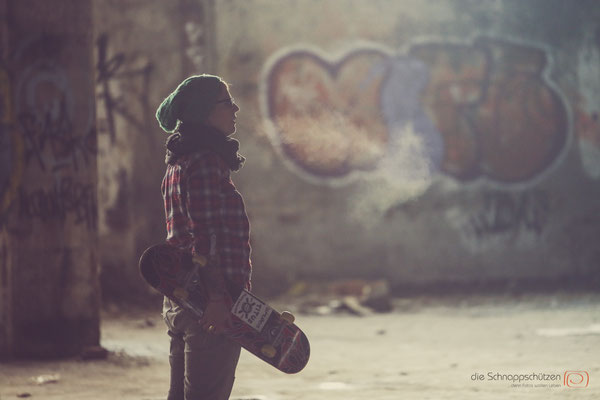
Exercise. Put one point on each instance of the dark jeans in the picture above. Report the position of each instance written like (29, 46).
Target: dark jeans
(202, 364)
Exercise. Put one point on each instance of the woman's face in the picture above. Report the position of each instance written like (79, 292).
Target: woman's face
(222, 116)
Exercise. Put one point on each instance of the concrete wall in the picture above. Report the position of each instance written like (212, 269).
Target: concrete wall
(420, 141)
(143, 51)
(49, 302)
(425, 142)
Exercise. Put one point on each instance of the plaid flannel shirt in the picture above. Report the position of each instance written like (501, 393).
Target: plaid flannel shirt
(205, 214)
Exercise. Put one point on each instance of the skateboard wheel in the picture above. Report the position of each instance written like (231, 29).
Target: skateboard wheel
(180, 293)
(268, 351)
(200, 260)
(288, 317)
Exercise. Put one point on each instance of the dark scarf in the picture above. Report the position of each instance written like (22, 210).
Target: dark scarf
(192, 138)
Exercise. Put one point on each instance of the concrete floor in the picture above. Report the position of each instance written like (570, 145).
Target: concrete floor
(428, 348)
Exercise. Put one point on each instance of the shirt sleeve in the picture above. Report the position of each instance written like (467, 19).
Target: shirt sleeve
(203, 202)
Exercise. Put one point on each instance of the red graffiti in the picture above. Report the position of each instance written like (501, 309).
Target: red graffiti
(485, 109)
(498, 116)
(327, 114)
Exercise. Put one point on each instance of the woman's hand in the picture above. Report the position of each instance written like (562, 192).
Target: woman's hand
(216, 316)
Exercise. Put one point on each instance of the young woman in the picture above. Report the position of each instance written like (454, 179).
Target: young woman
(205, 215)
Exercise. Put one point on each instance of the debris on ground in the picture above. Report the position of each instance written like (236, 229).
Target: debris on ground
(354, 306)
(354, 296)
(45, 379)
(377, 296)
(145, 323)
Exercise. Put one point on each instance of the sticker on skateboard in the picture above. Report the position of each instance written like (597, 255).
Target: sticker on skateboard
(252, 310)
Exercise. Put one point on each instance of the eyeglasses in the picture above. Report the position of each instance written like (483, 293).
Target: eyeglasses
(229, 101)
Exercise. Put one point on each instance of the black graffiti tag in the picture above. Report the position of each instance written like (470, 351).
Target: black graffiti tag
(55, 132)
(115, 68)
(507, 212)
(65, 198)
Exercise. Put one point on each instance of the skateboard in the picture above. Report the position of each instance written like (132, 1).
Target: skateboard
(271, 336)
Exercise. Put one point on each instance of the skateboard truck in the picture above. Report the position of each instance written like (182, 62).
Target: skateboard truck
(268, 351)
(288, 317)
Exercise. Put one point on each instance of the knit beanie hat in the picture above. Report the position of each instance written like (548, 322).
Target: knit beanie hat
(191, 102)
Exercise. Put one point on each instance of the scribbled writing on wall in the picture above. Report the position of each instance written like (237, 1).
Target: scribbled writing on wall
(67, 197)
(480, 110)
(48, 137)
(501, 218)
(504, 212)
(46, 109)
(117, 75)
(51, 136)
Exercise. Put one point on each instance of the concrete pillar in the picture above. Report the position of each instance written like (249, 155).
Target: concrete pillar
(49, 294)
(143, 51)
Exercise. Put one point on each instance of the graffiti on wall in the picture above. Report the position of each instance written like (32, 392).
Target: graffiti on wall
(48, 135)
(123, 83)
(502, 217)
(66, 197)
(50, 140)
(196, 48)
(484, 109)
(587, 125)
(194, 36)
(123, 114)
(328, 114)
(498, 115)
(587, 109)
(503, 212)
(46, 109)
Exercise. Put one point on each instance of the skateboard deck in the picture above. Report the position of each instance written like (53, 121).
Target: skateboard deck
(271, 336)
